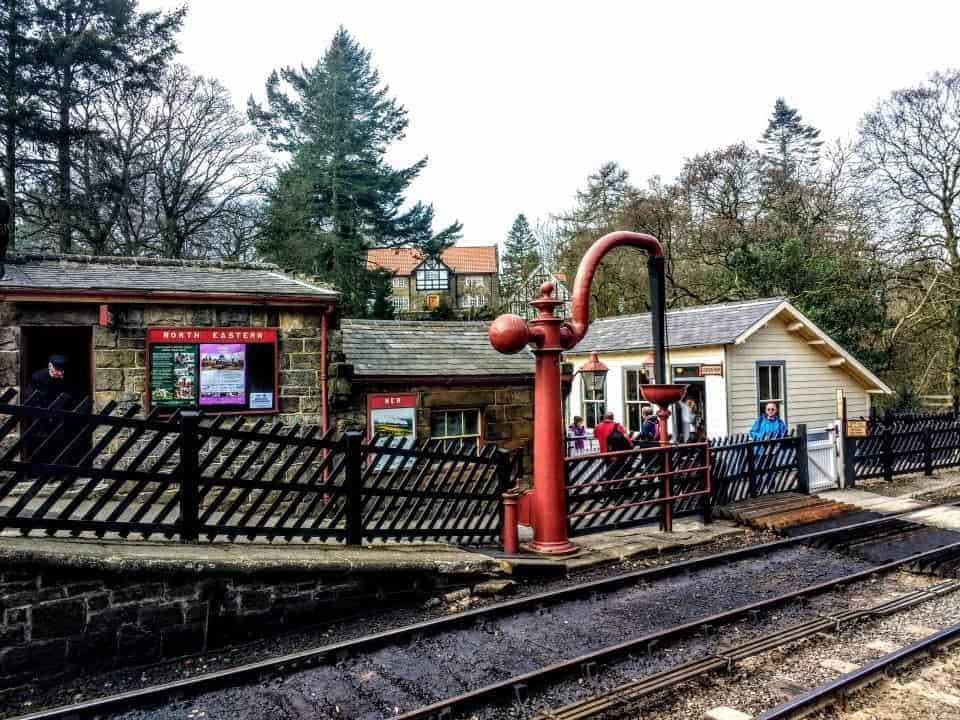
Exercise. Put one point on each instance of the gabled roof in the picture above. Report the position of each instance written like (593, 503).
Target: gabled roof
(721, 324)
(426, 349)
(402, 261)
(81, 274)
(690, 327)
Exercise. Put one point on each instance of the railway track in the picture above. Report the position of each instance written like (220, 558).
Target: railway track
(591, 614)
(615, 702)
(839, 689)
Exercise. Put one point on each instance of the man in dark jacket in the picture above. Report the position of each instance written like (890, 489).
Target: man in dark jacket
(46, 385)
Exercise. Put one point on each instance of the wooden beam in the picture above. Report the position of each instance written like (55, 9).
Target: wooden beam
(794, 326)
(816, 342)
(836, 362)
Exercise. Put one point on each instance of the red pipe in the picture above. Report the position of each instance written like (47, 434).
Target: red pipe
(323, 370)
(580, 298)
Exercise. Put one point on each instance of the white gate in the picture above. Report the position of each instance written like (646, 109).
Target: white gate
(822, 459)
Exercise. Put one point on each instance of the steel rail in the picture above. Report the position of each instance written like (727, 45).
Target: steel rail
(488, 693)
(629, 693)
(852, 681)
(312, 656)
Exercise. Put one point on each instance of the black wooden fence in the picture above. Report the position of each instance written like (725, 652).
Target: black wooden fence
(69, 470)
(626, 489)
(903, 444)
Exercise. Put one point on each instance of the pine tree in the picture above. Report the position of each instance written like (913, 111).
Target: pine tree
(87, 46)
(338, 195)
(521, 256)
(790, 146)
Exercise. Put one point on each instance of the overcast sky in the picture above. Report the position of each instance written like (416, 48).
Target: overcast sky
(517, 102)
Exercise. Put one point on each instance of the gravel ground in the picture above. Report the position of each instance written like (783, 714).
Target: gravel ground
(915, 485)
(20, 700)
(925, 691)
(767, 680)
(374, 685)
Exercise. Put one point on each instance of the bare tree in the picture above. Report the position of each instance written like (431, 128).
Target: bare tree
(205, 161)
(909, 146)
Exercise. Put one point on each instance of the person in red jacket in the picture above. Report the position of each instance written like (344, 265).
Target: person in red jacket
(611, 435)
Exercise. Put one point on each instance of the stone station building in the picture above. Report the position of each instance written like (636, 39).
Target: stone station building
(438, 380)
(122, 322)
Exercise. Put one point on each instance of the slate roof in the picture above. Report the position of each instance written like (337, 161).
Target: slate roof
(80, 272)
(690, 327)
(427, 349)
(461, 259)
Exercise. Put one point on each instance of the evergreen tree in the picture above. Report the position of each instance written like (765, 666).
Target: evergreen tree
(338, 195)
(85, 47)
(521, 256)
(789, 145)
(19, 113)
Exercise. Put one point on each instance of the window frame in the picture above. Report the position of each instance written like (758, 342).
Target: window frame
(445, 438)
(399, 281)
(432, 274)
(639, 402)
(598, 404)
(400, 303)
(781, 402)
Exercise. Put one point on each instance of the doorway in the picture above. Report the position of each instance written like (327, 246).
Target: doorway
(692, 422)
(74, 343)
(37, 344)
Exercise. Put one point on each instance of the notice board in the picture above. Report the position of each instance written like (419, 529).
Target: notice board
(213, 369)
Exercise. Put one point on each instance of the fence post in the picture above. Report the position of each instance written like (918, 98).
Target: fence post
(354, 482)
(189, 476)
(927, 451)
(849, 455)
(803, 461)
(752, 469)
(887, 440)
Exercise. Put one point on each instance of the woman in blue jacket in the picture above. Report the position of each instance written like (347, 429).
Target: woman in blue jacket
(768, 425)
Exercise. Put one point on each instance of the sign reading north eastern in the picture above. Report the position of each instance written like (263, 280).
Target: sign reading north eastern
(214, 369)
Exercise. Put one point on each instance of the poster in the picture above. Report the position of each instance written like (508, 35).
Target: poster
(173, 375)
(223, 374)
(391, 417)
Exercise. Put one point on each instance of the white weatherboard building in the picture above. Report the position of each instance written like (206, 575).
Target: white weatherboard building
(734, 357)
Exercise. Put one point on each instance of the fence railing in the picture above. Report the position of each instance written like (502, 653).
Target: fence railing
(631, 487)
(627, 488)
(903, 444)
(192, 477)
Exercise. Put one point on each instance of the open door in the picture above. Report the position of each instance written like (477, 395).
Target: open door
(76, 345)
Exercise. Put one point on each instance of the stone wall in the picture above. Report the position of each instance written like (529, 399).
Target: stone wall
(59, 623)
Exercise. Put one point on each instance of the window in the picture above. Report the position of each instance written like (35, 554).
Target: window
(772, 386)
(593, 404)
(475, 282)
(400, 304)
(460, 429)
(633, 402)
(473, 301)
(433, 275)
(399, 282)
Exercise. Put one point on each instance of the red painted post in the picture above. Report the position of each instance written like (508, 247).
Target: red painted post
(510, 532)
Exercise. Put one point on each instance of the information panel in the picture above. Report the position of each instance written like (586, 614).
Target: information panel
(223, 374)
(173, 375)
(216, 369)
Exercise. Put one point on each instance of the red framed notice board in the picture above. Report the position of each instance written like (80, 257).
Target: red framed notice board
(393, 414)
(219, 370)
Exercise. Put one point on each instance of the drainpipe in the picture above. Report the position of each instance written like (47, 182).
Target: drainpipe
(324, 420)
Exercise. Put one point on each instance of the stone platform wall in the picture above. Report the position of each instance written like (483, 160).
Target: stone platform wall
(58, 623)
